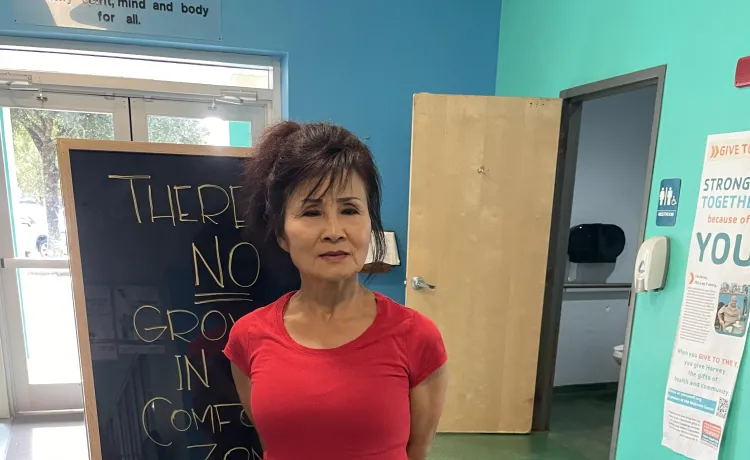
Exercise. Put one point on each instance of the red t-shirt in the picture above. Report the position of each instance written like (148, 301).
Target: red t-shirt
(345, 403)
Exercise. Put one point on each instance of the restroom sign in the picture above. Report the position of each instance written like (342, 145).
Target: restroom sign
(669, 200)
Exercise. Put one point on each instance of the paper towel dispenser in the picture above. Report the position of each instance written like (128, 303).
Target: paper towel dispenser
(651, 264)
(595, 243)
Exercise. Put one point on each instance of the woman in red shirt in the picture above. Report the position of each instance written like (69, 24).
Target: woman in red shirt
(332, 371)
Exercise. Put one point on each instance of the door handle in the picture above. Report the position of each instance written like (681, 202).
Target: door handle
(418, 283)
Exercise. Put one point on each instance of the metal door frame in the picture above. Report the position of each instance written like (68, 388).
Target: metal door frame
(573, 100)
(142, 108)
(272, 99)
(26, 397)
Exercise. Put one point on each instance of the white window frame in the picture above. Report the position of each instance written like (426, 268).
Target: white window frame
(271, 99)
(142, 108)
(25, 396)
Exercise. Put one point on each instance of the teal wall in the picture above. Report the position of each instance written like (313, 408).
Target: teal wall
(550, 45)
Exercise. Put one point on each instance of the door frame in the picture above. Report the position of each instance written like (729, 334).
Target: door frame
(141, 108)
(573, 99)
(200, 55)
(25, 396)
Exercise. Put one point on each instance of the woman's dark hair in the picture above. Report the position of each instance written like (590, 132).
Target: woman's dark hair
(290, 154)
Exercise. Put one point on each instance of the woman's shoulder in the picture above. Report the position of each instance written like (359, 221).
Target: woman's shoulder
(396, 313)
(423, 345)
(393, 310)
(262, 318)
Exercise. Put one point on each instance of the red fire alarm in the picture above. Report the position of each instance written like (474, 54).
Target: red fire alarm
(742, 74)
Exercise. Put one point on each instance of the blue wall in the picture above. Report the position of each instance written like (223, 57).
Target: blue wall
(354, 63)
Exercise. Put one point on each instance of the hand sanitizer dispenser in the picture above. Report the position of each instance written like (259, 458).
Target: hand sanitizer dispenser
(651, 264)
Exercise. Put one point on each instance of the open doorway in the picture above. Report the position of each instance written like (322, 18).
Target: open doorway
(602, 190)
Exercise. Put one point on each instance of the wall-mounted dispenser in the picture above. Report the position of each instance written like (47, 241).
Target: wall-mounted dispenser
(593, 250)
(651, 265)
(595, 243)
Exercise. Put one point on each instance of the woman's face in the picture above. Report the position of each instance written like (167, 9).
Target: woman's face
(328, 235)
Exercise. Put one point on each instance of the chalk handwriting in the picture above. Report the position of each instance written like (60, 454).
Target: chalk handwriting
(212, 201)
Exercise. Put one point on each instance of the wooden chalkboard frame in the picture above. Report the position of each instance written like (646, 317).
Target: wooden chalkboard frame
(64, 146)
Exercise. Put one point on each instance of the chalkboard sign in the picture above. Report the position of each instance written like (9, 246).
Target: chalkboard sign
(162, 266)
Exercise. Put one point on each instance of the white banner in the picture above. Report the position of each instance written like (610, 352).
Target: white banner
(192, 19)
(713, 320)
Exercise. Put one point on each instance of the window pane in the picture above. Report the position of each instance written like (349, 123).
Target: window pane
(49, 326)
(206, 131)
(31, 162)
(48, 441)
(140, 67)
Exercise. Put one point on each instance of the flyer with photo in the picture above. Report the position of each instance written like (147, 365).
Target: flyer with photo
(713, 319)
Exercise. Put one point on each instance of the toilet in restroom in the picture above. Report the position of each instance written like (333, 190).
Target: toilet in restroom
(617, 353)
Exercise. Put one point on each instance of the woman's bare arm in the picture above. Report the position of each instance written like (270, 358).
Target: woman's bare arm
(426, 400)
(243, 385)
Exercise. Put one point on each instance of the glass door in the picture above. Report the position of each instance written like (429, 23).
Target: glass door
(45, 370)
(36, 295)
(201, 123)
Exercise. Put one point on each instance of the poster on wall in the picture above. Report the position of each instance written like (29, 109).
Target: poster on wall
(190, 19)
(714, 317)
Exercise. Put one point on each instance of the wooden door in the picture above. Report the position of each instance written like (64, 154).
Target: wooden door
(482, 183)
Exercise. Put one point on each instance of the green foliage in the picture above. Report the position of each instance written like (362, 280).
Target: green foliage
(35, 132)
(31, 127)
(28, 164)
(82, 125)
(177, 130)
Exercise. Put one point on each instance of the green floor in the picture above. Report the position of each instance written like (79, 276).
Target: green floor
(581, 430)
